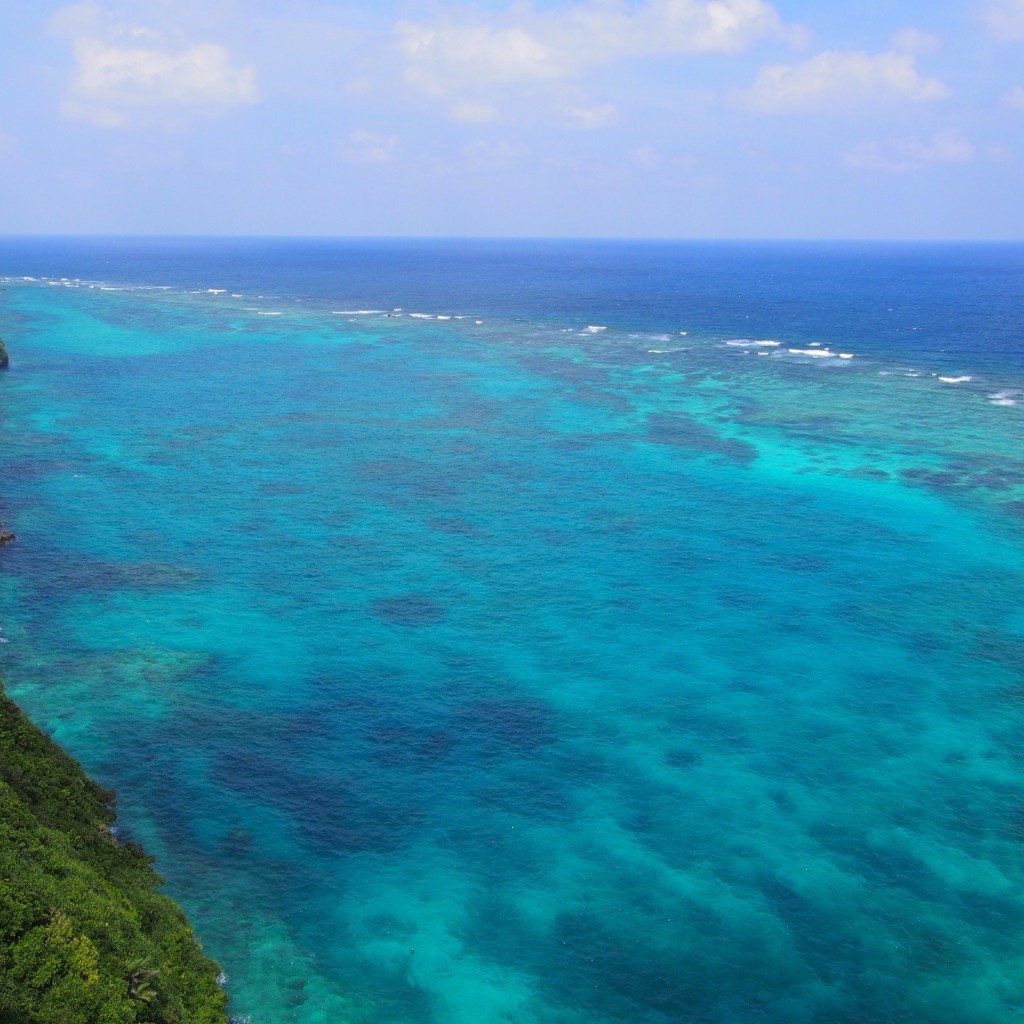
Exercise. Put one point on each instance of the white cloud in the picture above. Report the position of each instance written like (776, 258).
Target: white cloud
(900, 155)
(124, 72)
(366, 147)
(463, 54)
(1005, 19)
(444, 59)
(1014, 99)
(836, 80)
(602, 32)
(121, 76)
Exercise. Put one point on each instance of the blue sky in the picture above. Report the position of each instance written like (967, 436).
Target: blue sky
(637, 118)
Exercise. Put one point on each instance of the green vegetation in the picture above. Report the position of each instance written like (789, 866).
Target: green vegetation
(84, 936)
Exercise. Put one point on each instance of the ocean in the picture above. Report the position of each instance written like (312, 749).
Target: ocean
(541, 632)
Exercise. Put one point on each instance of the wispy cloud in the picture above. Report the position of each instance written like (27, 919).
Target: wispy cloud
(1004, 19)
(901, 155)
(481, 155)
(461, 54)
(913, 40)
(126, 73)
(650, 159)
(838, 80)
(1014, 99)
(473, 111)
(595, 115)
(366, 147)
(647, 157)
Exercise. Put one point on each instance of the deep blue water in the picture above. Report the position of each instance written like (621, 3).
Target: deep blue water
(548, 664)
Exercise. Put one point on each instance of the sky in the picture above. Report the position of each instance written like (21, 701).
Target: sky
(566, 118)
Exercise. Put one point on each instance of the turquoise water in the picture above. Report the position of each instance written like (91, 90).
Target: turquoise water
(522, 671)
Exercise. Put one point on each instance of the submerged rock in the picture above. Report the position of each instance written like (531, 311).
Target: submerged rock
(5, 360)
(6, 537)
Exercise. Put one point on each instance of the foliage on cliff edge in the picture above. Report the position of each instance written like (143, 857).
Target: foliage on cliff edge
(84, 936)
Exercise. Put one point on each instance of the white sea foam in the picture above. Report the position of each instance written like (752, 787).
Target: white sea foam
(235, 295)
(955, 380)
(845, 355)
(818, 353)
(260, 312)
(478, 322)
(356, 312)
(752, 343)
(594, 328)
(216, 291)
(684, 333)
(1004, 398)
(422, 316)
(444, 318)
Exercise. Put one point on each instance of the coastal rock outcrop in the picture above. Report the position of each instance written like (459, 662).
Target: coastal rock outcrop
(85, 937)
(5, 536)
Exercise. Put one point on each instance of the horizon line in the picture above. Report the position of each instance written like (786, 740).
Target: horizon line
(648, 239)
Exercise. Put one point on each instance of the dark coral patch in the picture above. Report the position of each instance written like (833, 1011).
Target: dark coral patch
(939, 479)
(683, 758)
(999, 647)
(400, 746)
(797, 562)
(408, 610)
(866, 473)
(688, 433)
(516, 725)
